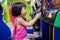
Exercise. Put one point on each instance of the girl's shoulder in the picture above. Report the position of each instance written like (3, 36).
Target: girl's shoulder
(21, 18)
(18, 19)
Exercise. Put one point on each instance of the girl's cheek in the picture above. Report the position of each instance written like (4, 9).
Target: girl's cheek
(23, 12)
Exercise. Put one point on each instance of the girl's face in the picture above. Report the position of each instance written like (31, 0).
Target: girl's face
(23, 11)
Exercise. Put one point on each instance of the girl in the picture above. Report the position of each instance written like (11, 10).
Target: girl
(19, 11)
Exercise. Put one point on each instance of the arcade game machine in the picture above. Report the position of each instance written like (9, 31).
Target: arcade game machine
(48, 18)
(40, 25)
(44, 27)
(51, 16)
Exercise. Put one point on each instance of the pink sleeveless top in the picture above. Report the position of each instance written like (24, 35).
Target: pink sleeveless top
(20, 33)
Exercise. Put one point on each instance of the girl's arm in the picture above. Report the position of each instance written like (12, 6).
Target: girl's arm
(25, 23)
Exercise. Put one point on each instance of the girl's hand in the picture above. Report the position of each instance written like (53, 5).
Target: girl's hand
(38, 15)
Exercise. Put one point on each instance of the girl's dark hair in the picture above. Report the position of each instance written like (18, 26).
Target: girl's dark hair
(16, 8)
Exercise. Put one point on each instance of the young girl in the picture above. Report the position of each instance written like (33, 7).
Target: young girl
(19, 11)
